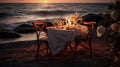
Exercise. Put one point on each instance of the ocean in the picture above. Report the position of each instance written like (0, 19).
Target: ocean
(18, 13)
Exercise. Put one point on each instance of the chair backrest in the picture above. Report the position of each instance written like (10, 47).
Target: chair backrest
(40, 27)
(91, 24)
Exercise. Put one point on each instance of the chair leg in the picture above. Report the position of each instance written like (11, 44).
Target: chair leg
(47, 49)
(90, 47)
(38, 47)
(76, 46)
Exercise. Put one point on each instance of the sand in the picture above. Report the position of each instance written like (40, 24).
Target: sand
(22, 54)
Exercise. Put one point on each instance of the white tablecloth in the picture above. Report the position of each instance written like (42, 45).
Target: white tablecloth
(58, 38)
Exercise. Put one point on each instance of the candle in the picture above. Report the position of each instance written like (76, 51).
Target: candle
(69, 22)
(66, 21)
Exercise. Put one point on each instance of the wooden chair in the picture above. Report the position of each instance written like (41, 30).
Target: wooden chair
(41, 27)
(87, 38)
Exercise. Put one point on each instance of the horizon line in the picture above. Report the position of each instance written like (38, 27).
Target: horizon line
(56, 3)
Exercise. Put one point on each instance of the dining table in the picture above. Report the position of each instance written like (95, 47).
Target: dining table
(60, 36)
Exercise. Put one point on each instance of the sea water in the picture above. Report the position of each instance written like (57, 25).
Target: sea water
(13, 14)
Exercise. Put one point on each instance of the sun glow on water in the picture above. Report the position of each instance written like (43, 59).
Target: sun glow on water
(45, 1)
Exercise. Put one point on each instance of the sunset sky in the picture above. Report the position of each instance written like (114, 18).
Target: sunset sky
(55, 1)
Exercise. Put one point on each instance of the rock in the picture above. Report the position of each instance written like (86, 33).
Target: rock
(9, 26)
(106, 21)
(24, 28)
(4, 33)
(49, 24)
(116, 27)
(115, 15)
(92, 18)
(28, 28)
(115, 5)
(2, 25)
(106, 16)
(100, 30)
(4, 15)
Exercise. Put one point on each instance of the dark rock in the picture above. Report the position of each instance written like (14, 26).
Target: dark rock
(28, 28)
(92, 18)
(2, 25)
(115, 5)
(115, 15)
(115, 27)
(106, 16)
(4, 33)
(106, 21)
(49, 24)
(4, 15)
(24, 28)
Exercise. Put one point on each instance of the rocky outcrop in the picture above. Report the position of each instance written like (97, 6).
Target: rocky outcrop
(92, 18)
(115, 27)
(4, 33)
(115, 5)
(106, 21)
(28, 28)
(24, 28)
(4, 15)
(115, 15)
(49, 24)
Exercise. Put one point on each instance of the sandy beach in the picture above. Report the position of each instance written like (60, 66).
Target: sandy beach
(22, 54)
